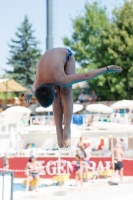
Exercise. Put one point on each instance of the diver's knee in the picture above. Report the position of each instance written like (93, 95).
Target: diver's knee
(66, 91)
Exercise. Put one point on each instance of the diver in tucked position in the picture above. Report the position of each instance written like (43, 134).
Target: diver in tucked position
(53, 85)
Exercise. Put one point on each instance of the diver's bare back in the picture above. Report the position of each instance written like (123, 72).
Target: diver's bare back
(51, 66)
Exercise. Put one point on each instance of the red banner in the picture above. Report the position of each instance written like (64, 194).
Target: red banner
(52, 165)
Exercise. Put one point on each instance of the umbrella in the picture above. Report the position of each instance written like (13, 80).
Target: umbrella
(76, 108)
(123, 104)
(99, 108)
(10, 85)
(81, 85)
(41, 109)
(17, 109)
(108, 125)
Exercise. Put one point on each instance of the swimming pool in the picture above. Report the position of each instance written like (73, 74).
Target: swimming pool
(20, 187)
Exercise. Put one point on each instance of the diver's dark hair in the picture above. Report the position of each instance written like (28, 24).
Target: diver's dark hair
(45, 95)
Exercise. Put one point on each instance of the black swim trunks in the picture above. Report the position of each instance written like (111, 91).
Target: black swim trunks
(118, 165)
(34, 174)
(69, 55)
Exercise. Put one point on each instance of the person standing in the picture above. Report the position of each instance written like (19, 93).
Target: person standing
(118, 164)
(79, 170)
(5, 162)
(86, 151)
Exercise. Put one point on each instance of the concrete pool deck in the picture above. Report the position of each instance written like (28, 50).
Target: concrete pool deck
(98, 189)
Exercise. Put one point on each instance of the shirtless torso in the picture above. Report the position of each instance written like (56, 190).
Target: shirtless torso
(118, 154)
(51, 67)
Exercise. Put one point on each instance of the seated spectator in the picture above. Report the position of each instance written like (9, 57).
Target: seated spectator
(93, 97)
(82, 97)
(36, 121)
(91, 120)
(107, 103)
(32, 171)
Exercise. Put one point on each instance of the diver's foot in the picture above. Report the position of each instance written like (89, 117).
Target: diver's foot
(66, 139)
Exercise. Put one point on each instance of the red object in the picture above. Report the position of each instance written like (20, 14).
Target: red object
(101, 144)
(51, 165)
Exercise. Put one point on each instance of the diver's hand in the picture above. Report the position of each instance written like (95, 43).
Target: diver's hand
(28, 96)
(113, 69)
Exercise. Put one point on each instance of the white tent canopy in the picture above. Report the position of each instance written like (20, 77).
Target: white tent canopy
(76, 108)
(123, 104)
(81, 85)
(17, 109)
(112, 126)
(41, 109)
(99, 108)
(10, 85)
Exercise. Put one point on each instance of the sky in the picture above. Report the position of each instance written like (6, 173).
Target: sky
(12, 13)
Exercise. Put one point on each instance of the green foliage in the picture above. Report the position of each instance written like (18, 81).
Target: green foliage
(98, 42)
(24, 55)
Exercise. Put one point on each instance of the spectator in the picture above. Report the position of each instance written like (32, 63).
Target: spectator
(132, 122)
(87, 154)
(107, 103)
(52, 123)
(91, 120)
(93, 97)
(32, 171)
(36, 121)
(79, 170)
(118, 164)
(16, 101)
(33, 105)
(5, 162)
(82, 97)
(115, 117)
(101, 143)
(108, 119)
(20, 139)
(80, 143)
(123, 144)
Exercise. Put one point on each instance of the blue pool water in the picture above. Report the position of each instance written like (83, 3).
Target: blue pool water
(20, 187)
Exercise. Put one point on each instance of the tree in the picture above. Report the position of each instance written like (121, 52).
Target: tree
(117, 48)
(98, 42)
(24, 55)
